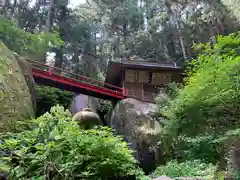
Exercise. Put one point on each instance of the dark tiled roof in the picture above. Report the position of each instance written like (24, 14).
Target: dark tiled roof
(151, 64)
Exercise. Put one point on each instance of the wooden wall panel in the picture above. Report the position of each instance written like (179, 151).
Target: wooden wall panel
(130, 76)
(134, 90)
(161, 78)
(143, 76)
(138, 91)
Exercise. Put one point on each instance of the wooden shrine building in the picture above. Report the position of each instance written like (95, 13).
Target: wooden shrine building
(142, 79)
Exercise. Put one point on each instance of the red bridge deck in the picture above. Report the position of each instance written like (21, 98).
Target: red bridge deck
(59, 78)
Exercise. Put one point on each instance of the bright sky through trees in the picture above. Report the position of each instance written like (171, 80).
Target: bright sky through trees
(73, 3)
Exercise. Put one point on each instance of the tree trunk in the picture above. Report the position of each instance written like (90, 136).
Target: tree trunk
(59, 59)
(181, 39)
(48, 24)
(2, 6)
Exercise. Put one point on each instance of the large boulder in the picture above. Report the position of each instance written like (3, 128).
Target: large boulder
(16, 101)
(233, 159)
(84, 111)
(27, 73)
(135, 120)
(82, 101)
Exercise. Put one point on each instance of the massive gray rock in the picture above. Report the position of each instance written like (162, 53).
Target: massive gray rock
(233, 159)
(84, 111)
(82, 101)
(135, 120)
(16, 87)
(27, 73)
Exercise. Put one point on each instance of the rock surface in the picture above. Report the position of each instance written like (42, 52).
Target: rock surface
(233, 158)
(27, 73)
(82, 101)
(16, 101)
(135, 121)
(163, 178)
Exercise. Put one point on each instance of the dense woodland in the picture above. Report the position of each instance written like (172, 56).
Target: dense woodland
(199, 118)
(98, 31)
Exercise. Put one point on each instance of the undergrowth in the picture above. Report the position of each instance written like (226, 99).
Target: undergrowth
(47, 97)
(201, 119)
(53, 147)
(194, 168)
(208, 105)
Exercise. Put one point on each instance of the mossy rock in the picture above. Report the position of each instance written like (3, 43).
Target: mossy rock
(27, 72)
(135, 120)
(15, 97)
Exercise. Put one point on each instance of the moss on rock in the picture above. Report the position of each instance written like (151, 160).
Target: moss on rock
(15, 97)
(135, 120)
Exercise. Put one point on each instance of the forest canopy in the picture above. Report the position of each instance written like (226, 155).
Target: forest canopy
(94, 32)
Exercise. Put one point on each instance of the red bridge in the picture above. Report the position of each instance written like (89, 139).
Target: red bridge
(59, 78)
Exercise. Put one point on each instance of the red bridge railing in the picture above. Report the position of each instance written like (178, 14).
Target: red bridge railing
(83, 79)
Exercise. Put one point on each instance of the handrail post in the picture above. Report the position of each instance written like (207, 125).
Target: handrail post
(124, 92)
(50, 69)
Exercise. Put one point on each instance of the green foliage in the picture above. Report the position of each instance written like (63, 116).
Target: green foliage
(202, 147)
(26, 43)
(104, 106)
(205, 112)
(55, 148)
(226, 45)
(210, 100)
(194, 168)
(167, 94)
(47, 97)
(236, 175)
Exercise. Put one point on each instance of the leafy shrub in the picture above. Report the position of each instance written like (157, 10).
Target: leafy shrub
(55, 148)
(47, 97)
(103, 108)
(166, 95)
(207, 106)
(202, 147)
(23, 42)
(209, 102)
(193, 168)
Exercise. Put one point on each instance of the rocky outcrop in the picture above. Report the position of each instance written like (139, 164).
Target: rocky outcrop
(27, 73)
(82, 101)
(16, 101)
(233, 160)
(135, 121)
